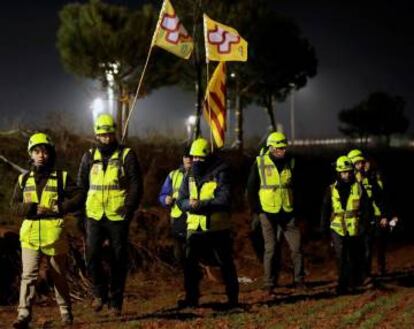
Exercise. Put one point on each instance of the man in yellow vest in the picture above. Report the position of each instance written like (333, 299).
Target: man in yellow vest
(168, 198)
(42, 196)
(377, 229)
(110, 177)
(205, 196)
(270, 195)
(346, 210)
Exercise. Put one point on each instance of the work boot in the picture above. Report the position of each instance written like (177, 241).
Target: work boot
(115, 311)
(340, 290)
(98, 304)
(232, 303)
(268, 292)
(184, 303)
(67, 319)
(301, 285)
(22, 322)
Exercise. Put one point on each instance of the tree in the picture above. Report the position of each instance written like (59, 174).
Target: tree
(109, 43)
(380, 115)
(280, 59)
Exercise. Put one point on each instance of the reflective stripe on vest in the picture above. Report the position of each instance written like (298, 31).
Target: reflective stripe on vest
(105, 195)
(213, 222)
(176, 177)
(275, 190)
(44, 233)
(346, 222)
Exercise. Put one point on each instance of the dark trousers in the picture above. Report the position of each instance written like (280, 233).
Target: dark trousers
(273, 230)
(219, 246)
(376, 237)
(105, 283)
(349, 259)
(179, 250)
(179, 235)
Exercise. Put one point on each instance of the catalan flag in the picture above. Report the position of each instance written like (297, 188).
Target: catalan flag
(214, 109)
(170, 33)
(222, 42)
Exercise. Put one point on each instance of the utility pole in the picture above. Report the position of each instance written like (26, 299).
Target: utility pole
(292, 114)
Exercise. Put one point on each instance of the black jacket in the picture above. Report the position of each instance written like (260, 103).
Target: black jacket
(344, 189)
(132, 175)
(218, 170)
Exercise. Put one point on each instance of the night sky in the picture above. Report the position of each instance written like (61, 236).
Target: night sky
(361, 48)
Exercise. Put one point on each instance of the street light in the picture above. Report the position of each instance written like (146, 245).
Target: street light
(190, 123)
(111, 71)
(97, 107)
(292, 112)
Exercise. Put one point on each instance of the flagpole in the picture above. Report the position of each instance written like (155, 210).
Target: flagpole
(136, 95)
(208, 79)
(141, 79)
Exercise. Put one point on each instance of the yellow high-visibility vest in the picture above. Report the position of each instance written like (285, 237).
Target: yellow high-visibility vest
(106, 195)
(176, 177)
(213, 222)
(275, 191)
(45, 234)
(346, 221)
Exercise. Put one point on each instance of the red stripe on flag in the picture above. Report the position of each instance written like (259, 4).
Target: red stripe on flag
(223, 89)
(220, 106)
(214, 121)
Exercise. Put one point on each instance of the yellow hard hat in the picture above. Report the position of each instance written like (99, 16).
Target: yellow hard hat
(356, 155)
(39, 139)
(343, 163)
(104, 124)
(200, 148)
(276, 139)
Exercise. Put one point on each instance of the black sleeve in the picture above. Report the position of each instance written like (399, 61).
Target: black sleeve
(326, 211)
(19, 208)
(134, 182)
(73, 196)
(379, 197)
(82, 180)
(367, 210)
(297, 189)
(184, 195)
(253, 186)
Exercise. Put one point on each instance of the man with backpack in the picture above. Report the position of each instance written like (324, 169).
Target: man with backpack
(110, 177)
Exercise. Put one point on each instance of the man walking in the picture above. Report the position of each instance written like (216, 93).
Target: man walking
(110, 177)
(205, 196)
(270, 194)
(42, 196)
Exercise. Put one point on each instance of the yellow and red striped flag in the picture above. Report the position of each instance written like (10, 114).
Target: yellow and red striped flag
(222, 42)
(170, 33)
(214, 109)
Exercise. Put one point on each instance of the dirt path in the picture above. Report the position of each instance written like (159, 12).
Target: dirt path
(151, 304)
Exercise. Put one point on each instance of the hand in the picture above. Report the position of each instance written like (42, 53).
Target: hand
(383, 222)
(194, 203)
(169, 200)
(45, 211)
(393, 222)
